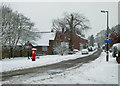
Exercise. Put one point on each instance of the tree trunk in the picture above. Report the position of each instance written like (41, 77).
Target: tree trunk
(11, 52)
(20, 52)
(71, 41)
(71, 35)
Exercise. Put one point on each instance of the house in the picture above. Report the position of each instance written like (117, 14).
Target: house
(79, 41)
(44, 44)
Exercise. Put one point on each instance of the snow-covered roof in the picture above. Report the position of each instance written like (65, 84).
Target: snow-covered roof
(44, 38)
(81, 36)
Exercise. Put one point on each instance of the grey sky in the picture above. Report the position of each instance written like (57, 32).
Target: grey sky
(42, 13)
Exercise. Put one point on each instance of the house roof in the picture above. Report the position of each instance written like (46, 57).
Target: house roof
(44, 38)
(81, 37)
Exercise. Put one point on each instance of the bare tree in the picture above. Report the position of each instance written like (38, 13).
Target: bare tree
(74, 22)
(115, 35)
(14, 27)
(0, 32)
(100, 37)
(91, 40)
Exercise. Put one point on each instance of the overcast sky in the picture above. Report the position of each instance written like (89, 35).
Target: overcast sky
(42, 13)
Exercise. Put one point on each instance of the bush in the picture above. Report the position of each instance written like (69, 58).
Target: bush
(61, 49)
(118, 60)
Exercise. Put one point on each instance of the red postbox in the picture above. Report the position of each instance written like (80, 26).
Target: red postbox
(33, 54)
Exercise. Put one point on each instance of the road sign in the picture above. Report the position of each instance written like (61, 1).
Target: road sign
(107, 41)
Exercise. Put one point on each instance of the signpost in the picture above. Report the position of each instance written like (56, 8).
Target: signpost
(107, 41)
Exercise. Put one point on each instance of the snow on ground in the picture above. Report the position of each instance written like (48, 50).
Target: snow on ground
(95, 72)
(24, 62)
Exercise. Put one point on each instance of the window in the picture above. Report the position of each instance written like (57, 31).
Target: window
(81, 46)
(44, 48)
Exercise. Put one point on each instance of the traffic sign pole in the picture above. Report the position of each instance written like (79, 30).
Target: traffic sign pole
(107, 56)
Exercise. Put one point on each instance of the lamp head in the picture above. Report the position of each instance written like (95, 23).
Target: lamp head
(103, 11)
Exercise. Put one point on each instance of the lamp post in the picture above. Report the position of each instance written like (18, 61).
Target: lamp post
(103, 11)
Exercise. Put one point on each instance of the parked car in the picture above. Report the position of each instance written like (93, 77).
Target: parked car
(94, 48)
(71, 52)
(84, 51)
(110, 50)
(75, 50)
(90, 48)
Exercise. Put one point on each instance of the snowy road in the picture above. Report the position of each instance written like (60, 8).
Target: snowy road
(47, 70)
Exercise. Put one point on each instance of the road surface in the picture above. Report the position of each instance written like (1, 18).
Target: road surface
(57, 67)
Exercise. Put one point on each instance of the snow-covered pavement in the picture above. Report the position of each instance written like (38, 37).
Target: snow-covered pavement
(95, 72)
(24, 62)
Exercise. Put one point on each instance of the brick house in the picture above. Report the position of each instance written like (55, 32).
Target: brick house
(79, 41)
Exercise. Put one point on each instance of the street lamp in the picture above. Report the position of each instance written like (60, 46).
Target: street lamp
(103, 11)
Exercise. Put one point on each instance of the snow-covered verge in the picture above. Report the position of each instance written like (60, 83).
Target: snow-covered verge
(24, 62)
(95, 72)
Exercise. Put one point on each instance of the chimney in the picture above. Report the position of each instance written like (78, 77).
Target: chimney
(62, 30)
(52, 30)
